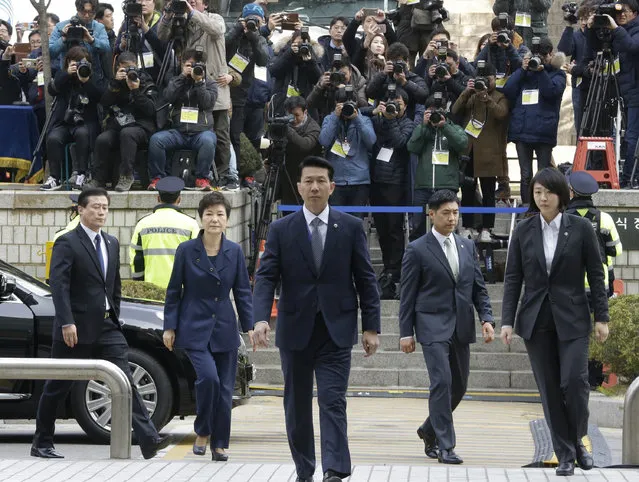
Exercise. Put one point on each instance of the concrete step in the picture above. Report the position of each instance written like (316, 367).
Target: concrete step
(412, 378)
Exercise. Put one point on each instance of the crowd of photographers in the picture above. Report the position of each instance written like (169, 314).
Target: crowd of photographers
(385, 96)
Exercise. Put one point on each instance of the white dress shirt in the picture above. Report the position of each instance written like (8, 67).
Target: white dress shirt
(323, 227)
(550, 234)
(105, 252)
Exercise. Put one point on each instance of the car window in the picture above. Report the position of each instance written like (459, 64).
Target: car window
(24, 281)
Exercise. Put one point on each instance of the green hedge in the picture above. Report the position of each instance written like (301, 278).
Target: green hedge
(621, 350)
(142, 290)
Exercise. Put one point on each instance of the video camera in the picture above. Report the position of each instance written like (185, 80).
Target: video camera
(570, 12)
(178, 7)
(278, 126)
(535, 60)
(346, 96)
(438, 13)
(399, 67)
(504, 34)
(75, 33)
(600, 20)
(438, 114)
(132, 8)
(305, 46)
(391, 95)
(481, 82)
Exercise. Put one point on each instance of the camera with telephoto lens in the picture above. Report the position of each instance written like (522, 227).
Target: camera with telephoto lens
(570, 11)
(346, 96)
(132, 73)
(337, 77)
(278, 127)
(178, 7)
(600, 19)
(251, 23)
(391, 95)
(504, 34)
(481, 82)
(442, 68)
(132, 8)
(305, 46)
(84, 69)
(438, 114)
(535, 60)
(75, 33)
(199, 67)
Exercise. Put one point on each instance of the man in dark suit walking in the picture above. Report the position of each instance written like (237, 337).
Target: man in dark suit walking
(321, 258)
(441, 282)
(85, 286)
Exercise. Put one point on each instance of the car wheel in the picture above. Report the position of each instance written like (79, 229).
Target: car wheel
(91, 401)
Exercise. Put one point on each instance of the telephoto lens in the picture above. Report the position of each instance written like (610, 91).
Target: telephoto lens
(84, 68)
(132, 74)
(198, 69)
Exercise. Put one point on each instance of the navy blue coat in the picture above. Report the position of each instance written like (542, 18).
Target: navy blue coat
(535, 123)
(625, 42)
(197, 303)
(345, 273)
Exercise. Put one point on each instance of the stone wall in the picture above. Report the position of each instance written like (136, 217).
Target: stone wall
(29, 219)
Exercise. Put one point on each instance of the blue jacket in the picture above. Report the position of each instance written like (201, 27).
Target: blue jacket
(359, 132)
(573, 43)
(505, 61)
(101, 46)
(197, 303)
(625, 42)
(536, 123)
(345, 275)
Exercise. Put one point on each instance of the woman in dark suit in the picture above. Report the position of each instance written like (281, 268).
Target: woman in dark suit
(199, 317)
(549, 253)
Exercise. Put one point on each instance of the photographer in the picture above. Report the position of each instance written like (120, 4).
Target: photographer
(73, 119)
(441, 38)
(484, 111)
(445, 76)
(372, 25)
(413, 33)
(530, 17)
(375, 56)
(397, 72)
(9, 84)
(147, 44)
(296, 67)
(104, 15)
(534, 93)
(205, 29)
(28, 73)
(302, 136)
(573, 43)
(193, 98)
(333, 42)
(130, 106)
(438, 142)
(625, 45)
(86, 32)
(502, 51)
(322, 97)
(348, 139)
(245, 48)
(390, 173)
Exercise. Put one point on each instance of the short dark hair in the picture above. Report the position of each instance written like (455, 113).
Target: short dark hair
(169, 197)
(79, 4)
(53, 17)
(401, 93)
(33, 32)
(8, 25)
(193, 54)
(126, 57)
(452, 54)
(631, 3)
(214, 199)
(495, 25)
(76, 53)
(553, 180)
(397, 51)
(102, 8)
(430, 100)
(294, 102)
(317, 161)
(441, 197)
(334, 20)
(545, 45)
(83, 198)
(438, 31)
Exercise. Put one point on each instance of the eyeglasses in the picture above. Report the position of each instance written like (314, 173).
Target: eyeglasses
(86, 13)
(625, 11)
(338, 27)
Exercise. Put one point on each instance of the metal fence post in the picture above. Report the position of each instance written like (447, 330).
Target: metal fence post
(71, 369)
(630, 447)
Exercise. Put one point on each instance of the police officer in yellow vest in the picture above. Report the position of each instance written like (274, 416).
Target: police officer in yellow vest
(582, 187)
(157, 235)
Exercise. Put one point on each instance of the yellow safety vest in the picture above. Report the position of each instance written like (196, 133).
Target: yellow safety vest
(49, 245)
(154, 241)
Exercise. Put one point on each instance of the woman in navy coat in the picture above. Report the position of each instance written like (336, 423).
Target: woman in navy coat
(199, 318)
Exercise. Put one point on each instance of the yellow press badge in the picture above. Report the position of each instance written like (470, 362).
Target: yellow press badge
(188, 115)
(371, 101)
(578, 81)
(40, 79)
(500, 81)
(292, 91)
(147, 58)
(440, 158)
(474, 128)
(340, 149)
(523, 19)
(239, 62)
(616, 66)
(530, 97)
(412, 2)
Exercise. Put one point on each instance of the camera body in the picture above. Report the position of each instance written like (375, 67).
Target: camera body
(391, 95)
(198, 69)
(337, 77)
(75, 33)
(178, 7)
(436, 7)
(442, 69)
(535, 60)
(570, 12)
(305, 48)
(251, 24)
(278, 127)
(74, 115)
(481, 82)
(132, 8)
(346, 96)
(600, 20)
(504, 34)
(84, 68)
(438, 114)
(132, 73)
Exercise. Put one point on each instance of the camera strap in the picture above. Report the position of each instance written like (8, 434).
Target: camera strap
(440, 156)
(475, 126)
(292, 90)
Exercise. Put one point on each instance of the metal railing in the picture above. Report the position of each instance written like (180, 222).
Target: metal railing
(630, 446)
(102, 370)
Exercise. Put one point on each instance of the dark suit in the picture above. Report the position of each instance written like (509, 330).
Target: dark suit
(317, 327)
(199, 309)
(439, 310)
(79, 290)
(554, 319)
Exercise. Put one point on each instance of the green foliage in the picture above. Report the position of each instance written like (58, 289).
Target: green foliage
(250, 160)
(142, 290)
(621, 349)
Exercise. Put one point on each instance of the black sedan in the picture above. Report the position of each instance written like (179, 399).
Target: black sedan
(164, 379)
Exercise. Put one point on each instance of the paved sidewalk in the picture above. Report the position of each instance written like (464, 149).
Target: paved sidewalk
(55, 470)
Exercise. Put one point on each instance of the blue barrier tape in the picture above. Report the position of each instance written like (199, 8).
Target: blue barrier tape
(407, 209)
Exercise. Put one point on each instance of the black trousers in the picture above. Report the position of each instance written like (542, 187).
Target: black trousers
(448, 364)
(111, 346)
(57, 140)
(561, 372)
(223, 147)
(488, 201)
(126, 143)
(351, 195)
(389, 225)
(236, 128)
(525, 155)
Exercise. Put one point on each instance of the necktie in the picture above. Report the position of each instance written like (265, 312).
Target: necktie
(98, 251)
(316, 242)
(449, 251)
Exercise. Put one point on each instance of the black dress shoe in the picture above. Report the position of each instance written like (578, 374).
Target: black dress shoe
(430, 443)
(151, 450)
(218, 457)
(584, 458)
(46, 453)
(565, 469)
(199, 449)
(448, 456)
(331, 476)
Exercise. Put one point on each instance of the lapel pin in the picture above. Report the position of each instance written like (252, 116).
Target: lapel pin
(335, 225)
(566, 233)
(461, 245)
